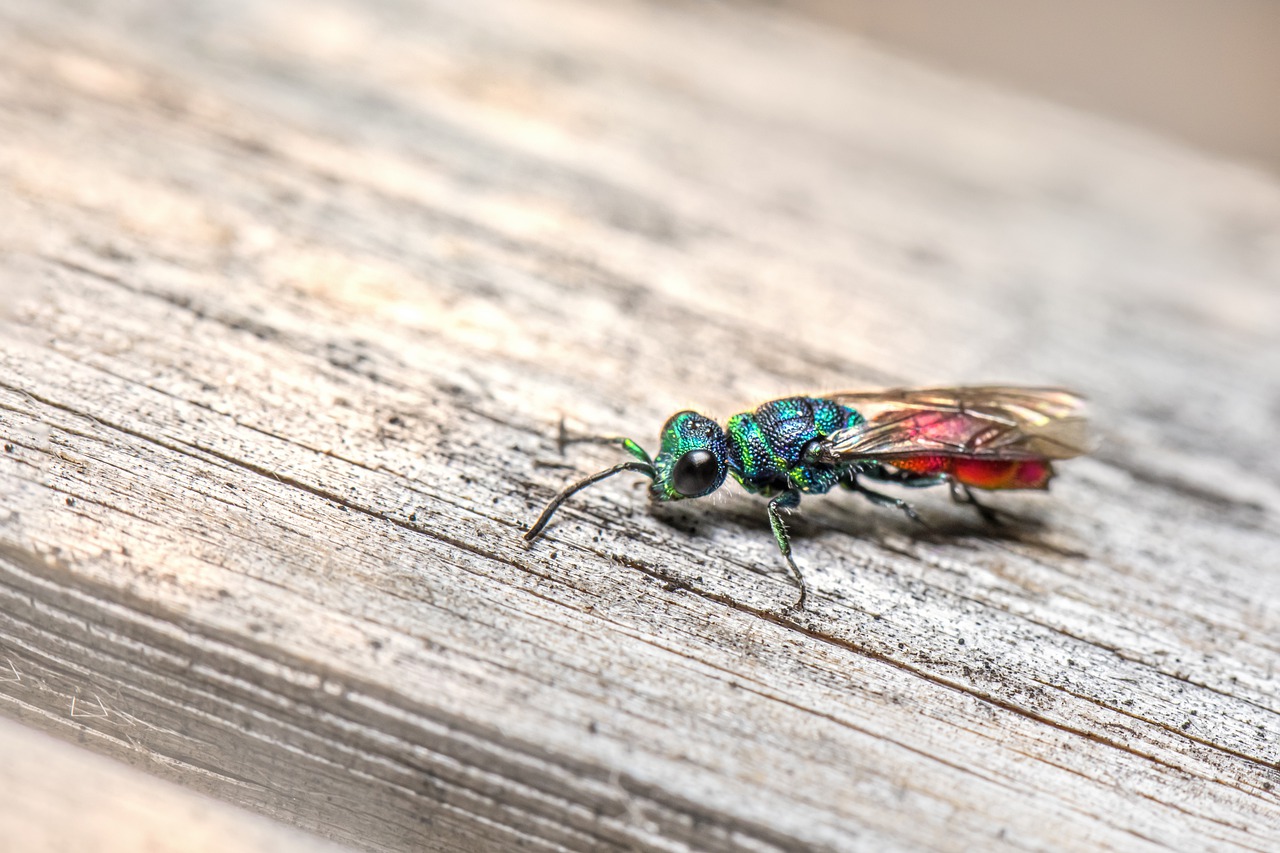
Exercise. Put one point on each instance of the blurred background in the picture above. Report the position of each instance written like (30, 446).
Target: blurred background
(1206, 73)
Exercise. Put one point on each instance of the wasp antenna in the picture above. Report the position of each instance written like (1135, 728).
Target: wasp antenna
(639, 467)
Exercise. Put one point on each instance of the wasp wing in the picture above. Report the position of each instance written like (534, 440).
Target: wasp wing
(988, 422)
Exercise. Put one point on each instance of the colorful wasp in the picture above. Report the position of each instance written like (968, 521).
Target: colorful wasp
(984, 437)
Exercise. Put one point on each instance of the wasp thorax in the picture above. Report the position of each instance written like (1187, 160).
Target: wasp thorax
(691, 462)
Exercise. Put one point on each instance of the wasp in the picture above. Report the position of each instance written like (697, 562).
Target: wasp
(978, 437)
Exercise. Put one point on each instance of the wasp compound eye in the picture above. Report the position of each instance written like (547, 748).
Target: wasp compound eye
(695, 472)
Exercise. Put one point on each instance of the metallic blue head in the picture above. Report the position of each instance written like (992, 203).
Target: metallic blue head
(691, 462)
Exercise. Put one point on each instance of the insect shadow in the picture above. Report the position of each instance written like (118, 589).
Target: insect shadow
(943, 524)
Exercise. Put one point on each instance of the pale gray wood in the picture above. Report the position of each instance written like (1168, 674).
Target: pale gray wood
(294, 297)
(61, 798)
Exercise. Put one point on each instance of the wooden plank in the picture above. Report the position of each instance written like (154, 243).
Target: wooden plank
(295, 295)
(58, 797)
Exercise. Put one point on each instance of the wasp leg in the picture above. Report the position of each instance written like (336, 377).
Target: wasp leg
(962, 494)
(563, 439)
(787, 500)
(879, 472)
(878, 499)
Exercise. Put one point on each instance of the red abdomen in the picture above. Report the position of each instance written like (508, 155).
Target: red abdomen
(1001, 474)
(981, 473)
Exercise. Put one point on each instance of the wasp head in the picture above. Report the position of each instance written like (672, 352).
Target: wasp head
(691, 462)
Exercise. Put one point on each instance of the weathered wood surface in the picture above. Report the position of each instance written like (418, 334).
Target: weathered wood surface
(59, 798)
(295, 294)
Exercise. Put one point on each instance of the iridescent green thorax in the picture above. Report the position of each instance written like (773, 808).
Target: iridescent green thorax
(680, 473)
(766, 446)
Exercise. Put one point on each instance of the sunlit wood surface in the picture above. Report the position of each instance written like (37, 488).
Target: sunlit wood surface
(294, 295)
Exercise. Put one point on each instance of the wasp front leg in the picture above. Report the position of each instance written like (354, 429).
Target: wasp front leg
(789, 499)
(563, 439)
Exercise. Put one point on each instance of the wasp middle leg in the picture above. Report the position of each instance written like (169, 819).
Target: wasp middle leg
(852, 484)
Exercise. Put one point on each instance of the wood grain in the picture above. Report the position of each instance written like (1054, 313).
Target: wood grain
(295, 294)
(58, 797)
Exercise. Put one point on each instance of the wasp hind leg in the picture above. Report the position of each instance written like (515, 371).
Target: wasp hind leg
(962, 494)
(790, 499)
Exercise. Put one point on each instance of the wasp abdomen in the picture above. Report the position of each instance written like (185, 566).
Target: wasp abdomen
(980, 473)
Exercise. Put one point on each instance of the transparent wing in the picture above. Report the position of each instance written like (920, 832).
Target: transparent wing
(989, 422)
